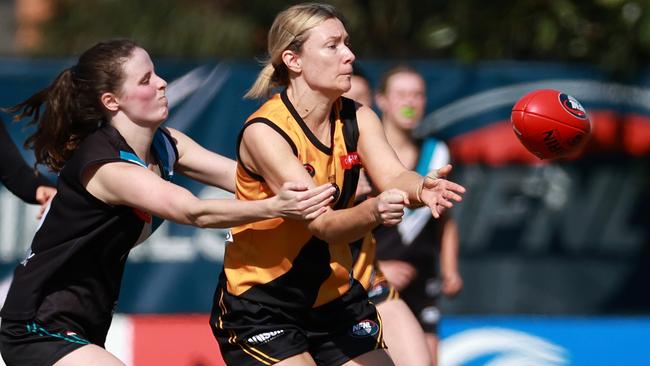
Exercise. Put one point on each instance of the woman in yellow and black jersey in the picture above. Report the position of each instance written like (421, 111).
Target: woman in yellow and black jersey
(253, 270)
(287, 293)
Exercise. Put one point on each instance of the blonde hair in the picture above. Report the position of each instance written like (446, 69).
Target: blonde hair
(288, 32)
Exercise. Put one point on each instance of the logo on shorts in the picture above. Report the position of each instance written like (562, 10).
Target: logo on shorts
(264, 337)
(365, 328)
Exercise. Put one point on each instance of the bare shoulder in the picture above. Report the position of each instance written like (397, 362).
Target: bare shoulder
(367, 118)
(261, 135)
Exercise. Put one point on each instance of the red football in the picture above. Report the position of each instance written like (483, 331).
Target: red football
(550, 124)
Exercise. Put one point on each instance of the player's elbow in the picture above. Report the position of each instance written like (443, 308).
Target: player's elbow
(193, 213)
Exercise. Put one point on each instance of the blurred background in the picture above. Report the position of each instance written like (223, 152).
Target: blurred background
(555, 256)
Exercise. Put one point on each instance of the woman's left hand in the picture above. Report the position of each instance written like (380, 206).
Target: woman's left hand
(438, 193)
(296, 201)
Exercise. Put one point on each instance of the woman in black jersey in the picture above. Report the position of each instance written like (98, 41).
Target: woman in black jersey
(18, 177)
(100, 130)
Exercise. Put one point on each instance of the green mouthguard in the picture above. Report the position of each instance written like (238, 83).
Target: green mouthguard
(408, 112)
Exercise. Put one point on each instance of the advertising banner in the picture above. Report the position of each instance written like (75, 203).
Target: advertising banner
(537, 237)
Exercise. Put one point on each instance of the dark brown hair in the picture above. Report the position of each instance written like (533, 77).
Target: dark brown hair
(72, 105)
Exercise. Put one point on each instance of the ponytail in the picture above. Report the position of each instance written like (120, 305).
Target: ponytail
(263, 84)
(56, 135)
(71, 105)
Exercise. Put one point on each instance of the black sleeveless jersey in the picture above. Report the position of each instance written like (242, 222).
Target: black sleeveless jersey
(417, 238)
(71, 276)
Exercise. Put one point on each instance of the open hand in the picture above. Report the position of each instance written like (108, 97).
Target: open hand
(438, 193)
(296, 201)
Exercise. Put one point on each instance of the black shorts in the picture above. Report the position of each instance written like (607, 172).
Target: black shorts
(422, 296)
(28, 343)
(251, 333)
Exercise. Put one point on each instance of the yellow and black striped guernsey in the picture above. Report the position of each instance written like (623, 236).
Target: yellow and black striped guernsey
(278, 261)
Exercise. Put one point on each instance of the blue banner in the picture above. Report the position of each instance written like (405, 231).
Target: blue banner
(568, 237)
(549, 341)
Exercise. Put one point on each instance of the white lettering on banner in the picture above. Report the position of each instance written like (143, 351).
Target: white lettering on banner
(505, 346)
(551, 206)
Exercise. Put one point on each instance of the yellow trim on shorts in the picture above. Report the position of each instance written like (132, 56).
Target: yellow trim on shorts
(393, 294)
(222, 306)
(380, 339)
(260, 353)
(255, 357)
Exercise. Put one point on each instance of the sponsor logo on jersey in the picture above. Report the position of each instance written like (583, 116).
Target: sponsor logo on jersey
(264, 337)
(365, 328)
(350, 160)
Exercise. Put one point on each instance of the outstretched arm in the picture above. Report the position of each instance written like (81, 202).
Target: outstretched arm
(122, 183)
(386, 171)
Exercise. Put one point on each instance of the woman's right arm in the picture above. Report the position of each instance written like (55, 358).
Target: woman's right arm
(122, 183)
(265, 152)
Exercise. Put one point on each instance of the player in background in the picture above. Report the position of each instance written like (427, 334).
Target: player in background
(410, 252)
(404, 337)
(99, 126)
(286, 296)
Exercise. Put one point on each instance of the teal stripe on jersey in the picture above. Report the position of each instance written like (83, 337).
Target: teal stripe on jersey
(125, 155)
(426, 153)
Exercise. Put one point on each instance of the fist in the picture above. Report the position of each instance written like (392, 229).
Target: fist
(390, 206)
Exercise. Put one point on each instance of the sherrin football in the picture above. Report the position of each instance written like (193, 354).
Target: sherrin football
(550, 124)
